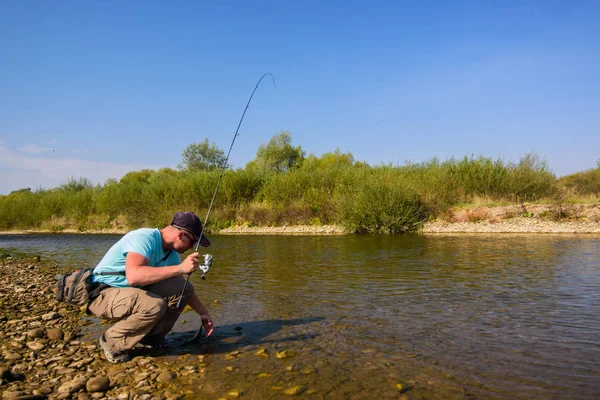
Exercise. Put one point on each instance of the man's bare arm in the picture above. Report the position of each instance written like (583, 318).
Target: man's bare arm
(138, 272)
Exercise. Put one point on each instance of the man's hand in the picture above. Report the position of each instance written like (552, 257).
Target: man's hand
(190, 264)
(207, 324)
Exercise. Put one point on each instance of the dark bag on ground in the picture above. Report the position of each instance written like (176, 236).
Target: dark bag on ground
(76, 287)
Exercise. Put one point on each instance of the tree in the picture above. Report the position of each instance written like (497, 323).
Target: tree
(202, 157)
(76, 185)
(278, 155)
(327, 160)
(137, 176)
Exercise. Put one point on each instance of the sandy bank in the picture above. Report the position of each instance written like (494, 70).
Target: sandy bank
(523, 218)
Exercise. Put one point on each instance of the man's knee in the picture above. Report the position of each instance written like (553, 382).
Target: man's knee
(189, 289)
(176, 285)
(154, 307)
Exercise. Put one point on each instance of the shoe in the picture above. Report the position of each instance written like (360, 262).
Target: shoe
(111, 356)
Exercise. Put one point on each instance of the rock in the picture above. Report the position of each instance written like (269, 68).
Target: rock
(12, 395)
(37, 333)
(282, 355)
(98, 384)
(12, 356)
(65, 371)
(402, 388)
(44, 389)
(69, 336)
(72, 386)
(50, 316)
(295, 391)
(166, 376)
(36, 346)
(55, 334)
(262, 353)
(141, 376)
(309, 370)
(142, 384)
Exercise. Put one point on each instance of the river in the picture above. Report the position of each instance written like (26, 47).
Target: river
(464, 316)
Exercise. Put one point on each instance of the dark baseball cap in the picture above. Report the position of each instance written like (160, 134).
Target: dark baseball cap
(189, 222)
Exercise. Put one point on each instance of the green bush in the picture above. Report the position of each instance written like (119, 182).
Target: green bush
(331, 189)
(378, 206)
(583, 183)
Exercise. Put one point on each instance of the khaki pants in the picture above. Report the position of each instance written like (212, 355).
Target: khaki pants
(151, 311)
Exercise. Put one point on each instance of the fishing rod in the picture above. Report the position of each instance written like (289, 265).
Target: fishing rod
(208, 257)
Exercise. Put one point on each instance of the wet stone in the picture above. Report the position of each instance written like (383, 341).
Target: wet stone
(166, 376)
(262, 353)
(141, 376)
(295, 391)
(285, 354)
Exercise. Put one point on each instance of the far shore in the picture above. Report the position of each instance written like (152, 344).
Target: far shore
(430, 228)
(523, 218)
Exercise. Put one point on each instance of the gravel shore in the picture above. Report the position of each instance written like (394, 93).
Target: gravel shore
(45, 355)
(526, 218)
(523, 218)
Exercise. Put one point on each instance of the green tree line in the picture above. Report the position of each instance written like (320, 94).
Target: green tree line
(284, 186)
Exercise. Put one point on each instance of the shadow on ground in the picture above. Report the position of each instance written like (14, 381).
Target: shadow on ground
(225, 338)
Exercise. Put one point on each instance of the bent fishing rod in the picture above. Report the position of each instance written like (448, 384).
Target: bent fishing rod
(208, 257)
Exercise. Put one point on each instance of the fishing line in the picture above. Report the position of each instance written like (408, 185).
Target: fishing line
(223, 167)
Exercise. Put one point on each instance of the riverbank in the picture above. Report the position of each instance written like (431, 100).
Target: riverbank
(524, 218)
(44, 354)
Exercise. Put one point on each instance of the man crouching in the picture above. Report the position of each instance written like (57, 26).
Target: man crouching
(140, 285)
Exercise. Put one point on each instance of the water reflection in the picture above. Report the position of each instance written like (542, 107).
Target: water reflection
(459, 316)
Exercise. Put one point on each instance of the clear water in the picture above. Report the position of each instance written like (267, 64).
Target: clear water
(499, 316)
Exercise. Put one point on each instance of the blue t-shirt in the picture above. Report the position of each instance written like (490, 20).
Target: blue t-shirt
(144, 241)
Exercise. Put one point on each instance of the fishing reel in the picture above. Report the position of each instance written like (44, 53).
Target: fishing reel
(207, 264)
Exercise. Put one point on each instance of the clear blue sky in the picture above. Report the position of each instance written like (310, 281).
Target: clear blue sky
(95, 89)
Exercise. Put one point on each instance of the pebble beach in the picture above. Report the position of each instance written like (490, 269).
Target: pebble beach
(45, 355)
